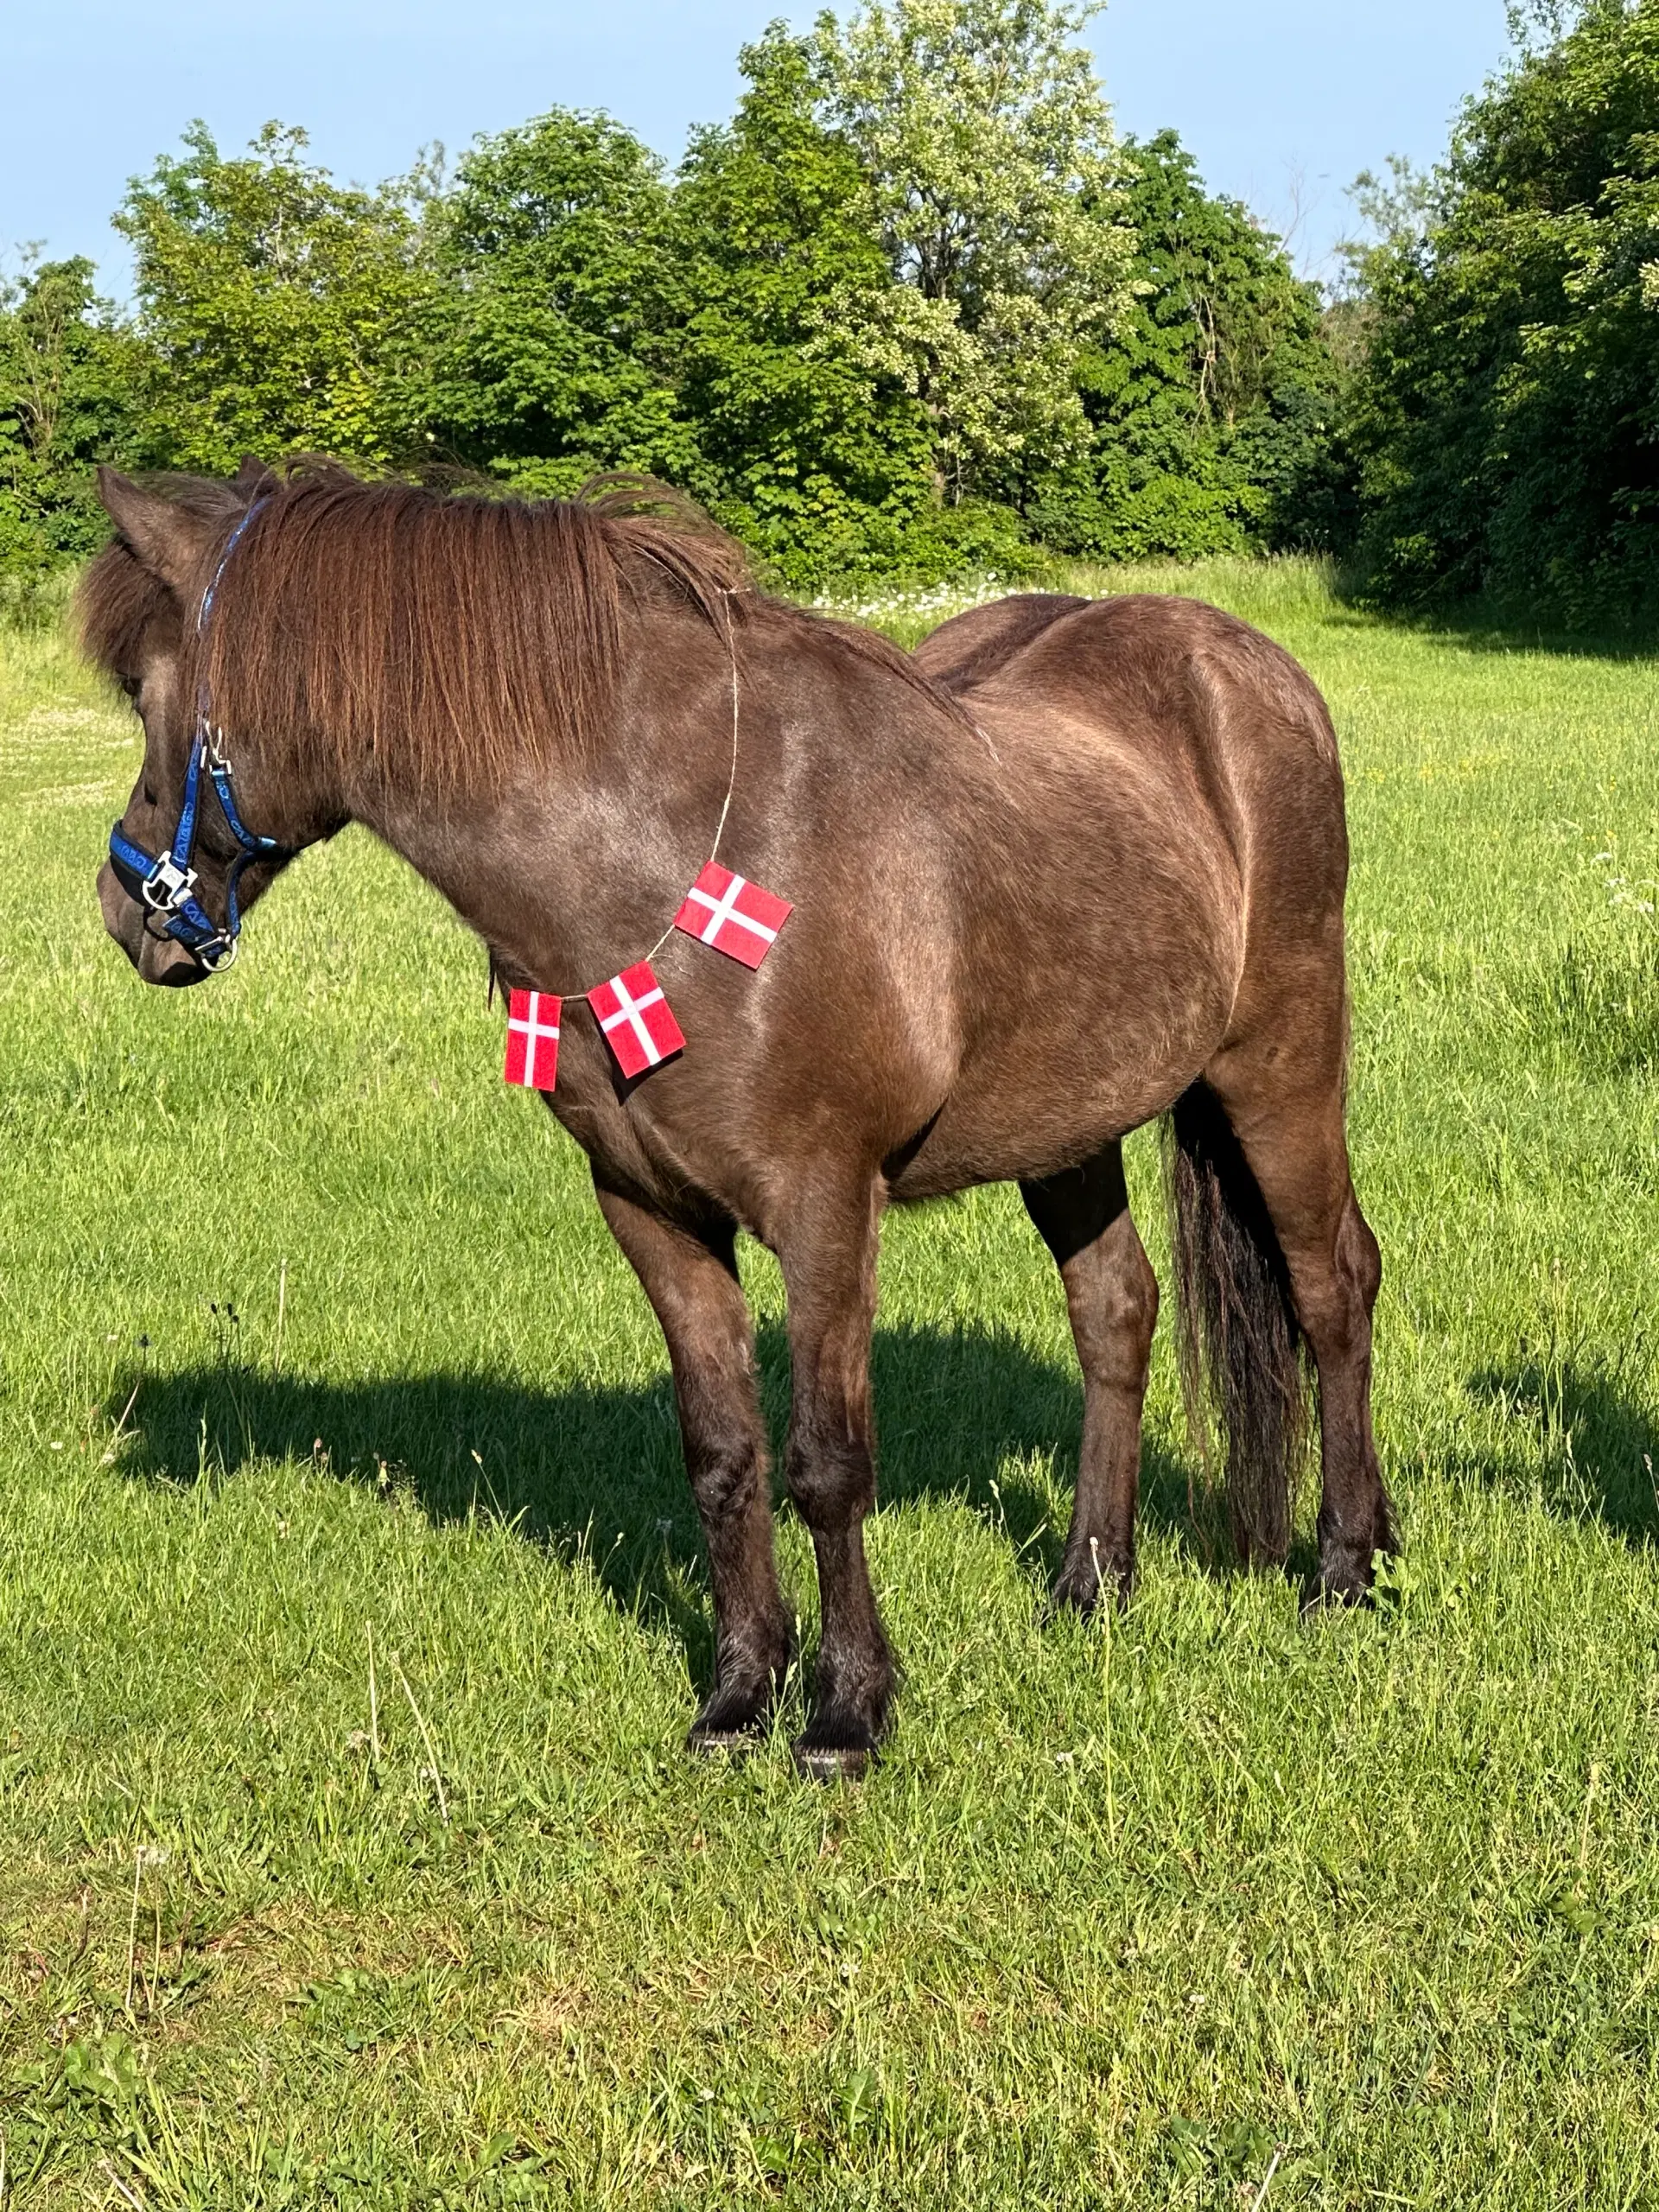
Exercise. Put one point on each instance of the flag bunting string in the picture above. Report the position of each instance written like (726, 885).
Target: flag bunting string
(723, 910)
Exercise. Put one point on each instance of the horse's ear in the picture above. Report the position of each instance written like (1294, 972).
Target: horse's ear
(168, 540)
(254, 475)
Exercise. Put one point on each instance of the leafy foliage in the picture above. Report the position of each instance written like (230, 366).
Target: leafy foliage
(281, 310)
(1510, 405)
(1211, 407)
(988, 147)
(553, 253)
(814, 456)
(65, 375)
(910, 311)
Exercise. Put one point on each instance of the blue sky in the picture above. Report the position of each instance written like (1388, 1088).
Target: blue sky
(1282, 101)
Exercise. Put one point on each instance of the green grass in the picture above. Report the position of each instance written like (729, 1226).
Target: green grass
(1128, 1913)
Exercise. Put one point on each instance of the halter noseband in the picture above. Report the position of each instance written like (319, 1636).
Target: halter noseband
(166, 885)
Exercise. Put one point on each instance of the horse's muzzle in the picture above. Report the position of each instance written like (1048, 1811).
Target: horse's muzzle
(157, 959)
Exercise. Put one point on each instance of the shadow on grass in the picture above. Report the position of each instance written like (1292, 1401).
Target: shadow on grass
(1484, 626)
(600, 1469)
(1598, 1448)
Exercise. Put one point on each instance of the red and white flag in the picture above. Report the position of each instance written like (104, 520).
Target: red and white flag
(636, 1018)
(733, 915)
(533, 1040)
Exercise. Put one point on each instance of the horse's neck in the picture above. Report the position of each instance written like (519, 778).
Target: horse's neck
(575, 868)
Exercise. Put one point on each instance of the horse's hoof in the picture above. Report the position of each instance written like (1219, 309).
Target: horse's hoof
(1334, 1592)
(736, 1715)
(833, 1762)
(1083, 1592)
(730, 1726)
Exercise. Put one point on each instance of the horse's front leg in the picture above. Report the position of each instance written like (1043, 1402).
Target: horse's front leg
(691, 1278)
(828, 1265)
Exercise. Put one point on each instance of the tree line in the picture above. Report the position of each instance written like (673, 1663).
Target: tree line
(914, 309)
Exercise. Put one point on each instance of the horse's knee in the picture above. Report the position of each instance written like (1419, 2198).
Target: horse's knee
(830, 1476)
(726, 1479)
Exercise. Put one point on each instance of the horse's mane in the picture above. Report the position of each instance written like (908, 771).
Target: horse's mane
(444, 637)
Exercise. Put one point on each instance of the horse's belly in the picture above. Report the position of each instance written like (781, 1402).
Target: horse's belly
(1014, 1128)
(1077, 1052)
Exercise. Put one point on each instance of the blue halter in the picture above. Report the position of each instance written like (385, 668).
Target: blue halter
(166, 884)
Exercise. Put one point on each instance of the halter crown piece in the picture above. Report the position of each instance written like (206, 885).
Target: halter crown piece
(166, 884)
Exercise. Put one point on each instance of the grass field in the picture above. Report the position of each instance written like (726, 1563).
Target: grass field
(352, 1607)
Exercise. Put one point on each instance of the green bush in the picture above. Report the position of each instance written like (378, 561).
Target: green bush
(68, 377)
(1214, 409)
(1508, 403)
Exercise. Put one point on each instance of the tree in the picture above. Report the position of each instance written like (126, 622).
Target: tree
(281, 310)
(1213, 404)
(988, 147)
(1509, 404)
(554, 337)
(818, 459)
(66, 374)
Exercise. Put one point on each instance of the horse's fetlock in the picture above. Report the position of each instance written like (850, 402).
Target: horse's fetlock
(759, 1651)
(1345, 1570)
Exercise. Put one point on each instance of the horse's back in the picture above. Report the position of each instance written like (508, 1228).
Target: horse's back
(1171, 692)
(978, 642)
(1122, 655)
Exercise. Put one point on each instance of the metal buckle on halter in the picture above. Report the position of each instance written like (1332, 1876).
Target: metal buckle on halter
(216, 957)
(168, 886)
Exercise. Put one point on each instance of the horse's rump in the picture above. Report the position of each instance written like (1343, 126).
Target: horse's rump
(1181, 693)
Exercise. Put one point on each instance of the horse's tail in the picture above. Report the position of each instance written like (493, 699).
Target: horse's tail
(1242, 1356)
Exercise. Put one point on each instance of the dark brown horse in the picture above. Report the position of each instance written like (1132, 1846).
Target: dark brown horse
(1074, 867)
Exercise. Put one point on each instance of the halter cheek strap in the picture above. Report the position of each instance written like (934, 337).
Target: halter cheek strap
(165, 883)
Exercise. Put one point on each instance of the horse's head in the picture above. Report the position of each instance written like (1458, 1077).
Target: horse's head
(191, 851)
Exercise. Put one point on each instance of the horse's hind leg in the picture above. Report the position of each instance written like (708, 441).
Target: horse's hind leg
(1083, 1215)
(691, 1281)
(1291, 1135)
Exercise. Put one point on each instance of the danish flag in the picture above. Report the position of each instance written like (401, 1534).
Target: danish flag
(733, 915)
(639, 1026)
(533, 1040)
